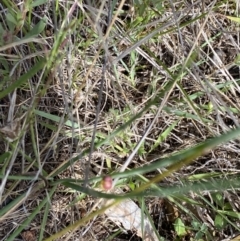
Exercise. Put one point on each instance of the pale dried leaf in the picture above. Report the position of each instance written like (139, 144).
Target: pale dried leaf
(128, 214)
(11, 130)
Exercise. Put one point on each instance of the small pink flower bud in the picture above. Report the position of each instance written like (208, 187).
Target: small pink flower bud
(107, 183)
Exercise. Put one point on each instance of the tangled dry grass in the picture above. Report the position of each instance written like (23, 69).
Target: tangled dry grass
(181, 57)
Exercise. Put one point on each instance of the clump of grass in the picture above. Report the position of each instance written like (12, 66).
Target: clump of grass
(145, 94)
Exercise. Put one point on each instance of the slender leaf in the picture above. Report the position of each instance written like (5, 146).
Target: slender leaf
(24, 78)
(235, 19)
(37, 3)
(37, 29)
(29, 219)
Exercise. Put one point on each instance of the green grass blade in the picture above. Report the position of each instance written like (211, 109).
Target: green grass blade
(45, 218)
(27, 222)
(11, 205)
(24, 78)
(164, 135)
